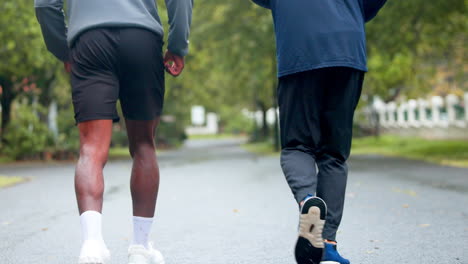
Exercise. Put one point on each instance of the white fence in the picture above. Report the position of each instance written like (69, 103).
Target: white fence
(435, 117)
(199, 127)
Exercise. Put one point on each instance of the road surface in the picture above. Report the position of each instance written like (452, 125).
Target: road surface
(219, 204)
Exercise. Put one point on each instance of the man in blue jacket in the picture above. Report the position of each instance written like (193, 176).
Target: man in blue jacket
(321, 54)
(113, 50)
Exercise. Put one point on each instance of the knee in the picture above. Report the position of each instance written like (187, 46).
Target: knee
(94, 154)
(142, 148)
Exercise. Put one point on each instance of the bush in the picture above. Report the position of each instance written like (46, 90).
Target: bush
(26, 136)
(68, 139)
(170, 134)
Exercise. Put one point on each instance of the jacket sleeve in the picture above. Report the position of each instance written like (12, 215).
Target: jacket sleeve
(263, 3)
(371, 8)
(180, 19)
(50, 15)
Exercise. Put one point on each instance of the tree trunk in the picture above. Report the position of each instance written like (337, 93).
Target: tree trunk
(6, 100)
(276, 136)
(255, 135)
(45, 97)
(264, 120)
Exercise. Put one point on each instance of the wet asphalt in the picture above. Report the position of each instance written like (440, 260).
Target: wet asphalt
(219, 204)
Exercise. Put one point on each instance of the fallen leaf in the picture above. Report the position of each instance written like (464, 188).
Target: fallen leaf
(406, 206)
(407, 192)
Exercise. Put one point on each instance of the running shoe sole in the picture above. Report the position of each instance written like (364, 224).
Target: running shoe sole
(309, 245)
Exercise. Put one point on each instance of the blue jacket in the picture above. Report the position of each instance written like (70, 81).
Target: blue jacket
(312, 34)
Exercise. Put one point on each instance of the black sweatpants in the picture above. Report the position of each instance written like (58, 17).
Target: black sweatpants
(316, 118)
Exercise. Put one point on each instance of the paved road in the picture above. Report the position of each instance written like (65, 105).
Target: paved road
(220, 205)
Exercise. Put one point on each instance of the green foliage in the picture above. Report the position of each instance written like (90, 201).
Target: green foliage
(119, 136)
(231, 61)
(410, 40)
(26, 137)
(170, 135)
(171, 129)
(24, 58)
(68, 138)
(21, 39)
(22, 50)
(233, 121)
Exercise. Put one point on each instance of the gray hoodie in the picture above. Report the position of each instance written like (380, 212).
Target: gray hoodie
(86, 14)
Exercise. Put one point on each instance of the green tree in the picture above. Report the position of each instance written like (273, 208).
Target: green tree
(232, 60)
(409, 40)
(24, 59)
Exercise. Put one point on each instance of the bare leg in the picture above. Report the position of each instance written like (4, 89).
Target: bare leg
(95, 137)
(144, 183)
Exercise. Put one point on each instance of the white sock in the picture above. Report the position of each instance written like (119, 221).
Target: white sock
(141, 230)
(91, 222)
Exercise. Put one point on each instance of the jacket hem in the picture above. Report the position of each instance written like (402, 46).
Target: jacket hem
(322, 65)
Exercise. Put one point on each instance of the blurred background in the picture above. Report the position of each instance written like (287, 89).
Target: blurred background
(221, 186)
(416, 86)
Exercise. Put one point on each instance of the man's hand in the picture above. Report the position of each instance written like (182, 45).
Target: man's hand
(174, 64)
(67, 66)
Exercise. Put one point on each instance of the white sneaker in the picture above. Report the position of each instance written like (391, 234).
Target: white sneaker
(138, 254)
(94, 252)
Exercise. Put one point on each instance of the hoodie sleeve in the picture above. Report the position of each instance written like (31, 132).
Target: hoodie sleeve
(263, 3)
(371, 8)
(50, 15)
(180, 19)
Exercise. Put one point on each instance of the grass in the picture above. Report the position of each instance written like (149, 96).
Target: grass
(6, 181)
(119, 153)
(261, 148)
(444, 152)
(4, 160)
(216, 136)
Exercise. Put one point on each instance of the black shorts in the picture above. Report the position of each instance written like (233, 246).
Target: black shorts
(117, 63)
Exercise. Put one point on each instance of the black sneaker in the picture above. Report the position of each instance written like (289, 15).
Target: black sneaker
(310, 245)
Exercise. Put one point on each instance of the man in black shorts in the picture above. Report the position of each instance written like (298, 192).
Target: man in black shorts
(113, 50)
